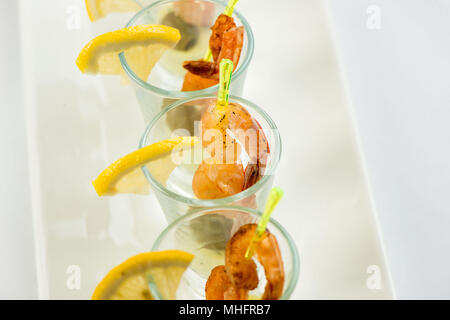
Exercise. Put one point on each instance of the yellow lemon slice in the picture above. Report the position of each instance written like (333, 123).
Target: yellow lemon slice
(143, 45)
(125, 175)
(98, 9)
(129, 280)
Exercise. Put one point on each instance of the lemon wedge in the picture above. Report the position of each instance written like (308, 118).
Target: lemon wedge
(125, 175)
(98, 9)
(129, 280)
(143, 45)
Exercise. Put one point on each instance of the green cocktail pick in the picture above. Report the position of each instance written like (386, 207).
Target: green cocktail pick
(228, 11)
(226, 69)
(230, 7)
(275, 195)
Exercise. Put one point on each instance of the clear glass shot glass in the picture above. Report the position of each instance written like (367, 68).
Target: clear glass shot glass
(171, 180)
(204, 234)
(163, 86)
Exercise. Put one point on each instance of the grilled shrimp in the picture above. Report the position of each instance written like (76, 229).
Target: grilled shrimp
(225, 175)
(241, 274)
(226, 42)
(226, 132)
(269, 255)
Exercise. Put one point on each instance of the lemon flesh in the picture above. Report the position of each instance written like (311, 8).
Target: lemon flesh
(97, 9)
(129, 280)
(125, 175)
(142, 45)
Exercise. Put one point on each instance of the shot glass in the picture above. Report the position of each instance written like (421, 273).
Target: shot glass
(204, 234)
(163, 86)
(171, 178)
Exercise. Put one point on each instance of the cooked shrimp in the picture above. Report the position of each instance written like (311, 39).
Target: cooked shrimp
(269, 255)
(222, 25)
(226, 42)
(193, 82)
(220, 287)
(226, 176)
(214, 181)
(242, 273)
(226, 132)
(231, 47)
(202, 68)
(232, 42)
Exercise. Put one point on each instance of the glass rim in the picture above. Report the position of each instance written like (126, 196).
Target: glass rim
(272, 223)
(185, 94)
(221, 201)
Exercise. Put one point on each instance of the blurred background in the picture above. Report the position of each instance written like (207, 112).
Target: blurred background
(359, 91)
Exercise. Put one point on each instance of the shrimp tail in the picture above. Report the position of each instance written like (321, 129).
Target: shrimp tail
(202, 68)
(251, 175)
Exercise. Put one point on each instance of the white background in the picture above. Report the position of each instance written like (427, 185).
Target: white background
(398, 83)
(17, 267)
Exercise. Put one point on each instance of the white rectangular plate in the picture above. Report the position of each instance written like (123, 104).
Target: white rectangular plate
(78, 124)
